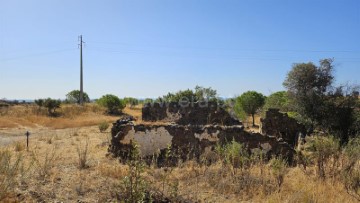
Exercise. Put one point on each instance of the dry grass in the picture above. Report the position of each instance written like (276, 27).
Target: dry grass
(54, 175)
(60, 179)
(135, 112)
(71, 116)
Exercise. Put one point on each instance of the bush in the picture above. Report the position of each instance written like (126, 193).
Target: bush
(134, 184)
(235, 155)
(74, 97)
(351, 171)
(50, 104)
(113, 104)
(103, 126)
(323, 149)
(279, 169)
(44, 166)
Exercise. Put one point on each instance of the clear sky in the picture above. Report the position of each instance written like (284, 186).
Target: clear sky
(146, 48)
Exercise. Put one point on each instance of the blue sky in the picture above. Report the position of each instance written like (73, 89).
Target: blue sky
(146, 48)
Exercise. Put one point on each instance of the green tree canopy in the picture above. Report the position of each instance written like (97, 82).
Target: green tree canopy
(74, 97)
(200, 94)
(39, 102)
(277, 100)
(113, 103)
(307, 87)
(51, 105)
(131, 101)
(250, 102)
(318, 103)
(208, 94)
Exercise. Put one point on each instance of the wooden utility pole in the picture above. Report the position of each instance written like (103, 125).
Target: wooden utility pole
(81, 73)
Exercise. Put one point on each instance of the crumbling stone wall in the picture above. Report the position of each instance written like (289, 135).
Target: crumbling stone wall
(281, 126)
(187, 141)
(198, 113)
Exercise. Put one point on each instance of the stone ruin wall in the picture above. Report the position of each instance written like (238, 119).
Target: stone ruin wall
(198, 113)
(188, 142)
(190, 136)
(281, 126)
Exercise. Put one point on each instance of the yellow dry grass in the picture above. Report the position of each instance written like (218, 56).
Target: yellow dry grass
(102, 180)
(71, 116)
(135, 112)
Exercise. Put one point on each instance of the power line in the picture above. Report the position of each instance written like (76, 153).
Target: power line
(228, 49)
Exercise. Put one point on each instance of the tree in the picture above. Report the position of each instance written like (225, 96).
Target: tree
(307, 86)
(318, 103)
(278, 100)
(180, 96)
(147, 100)
(52, 105)
(74, 97)
(186, 96)
(250, 102)
(39, 102)
(131, 101)
(207, 94)
(113, 104)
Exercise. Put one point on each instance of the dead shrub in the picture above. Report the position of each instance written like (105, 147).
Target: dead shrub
(113, 171)
(43, 166)
(83, 153)
(19, 146)
(103, 126)
(9, 168)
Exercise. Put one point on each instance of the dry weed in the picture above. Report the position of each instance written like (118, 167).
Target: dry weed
(44, 164)
(83, 153)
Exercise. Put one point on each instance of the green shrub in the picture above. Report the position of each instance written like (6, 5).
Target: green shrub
(235, 155)
(113, 104)
(134, 184)
(279, 169)
(50, 104)
(351, 170)
(323, 149)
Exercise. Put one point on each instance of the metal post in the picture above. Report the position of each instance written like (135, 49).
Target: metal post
(27, 140)
(81, 73)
